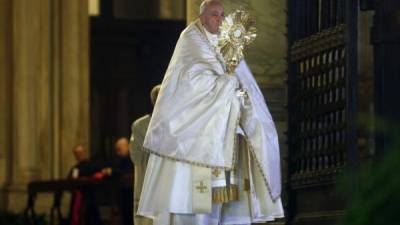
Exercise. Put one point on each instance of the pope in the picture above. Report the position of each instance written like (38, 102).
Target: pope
(214, 153)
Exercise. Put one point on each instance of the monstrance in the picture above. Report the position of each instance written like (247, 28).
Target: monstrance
(236, 32)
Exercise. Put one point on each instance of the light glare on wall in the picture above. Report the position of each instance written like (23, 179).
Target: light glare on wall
(94, 7)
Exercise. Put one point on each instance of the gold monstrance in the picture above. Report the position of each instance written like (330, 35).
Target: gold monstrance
(237, 31)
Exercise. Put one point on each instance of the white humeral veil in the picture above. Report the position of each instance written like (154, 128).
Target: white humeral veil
(194, 124)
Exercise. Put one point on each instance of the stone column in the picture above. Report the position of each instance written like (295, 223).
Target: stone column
(27, 71)
(44, 88)
(5, 101)
(74, 81)
(192, 10)
(172, 9)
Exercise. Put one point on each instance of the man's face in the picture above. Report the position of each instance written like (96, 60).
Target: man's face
(80, 153)
(212, 17)
(122, 148)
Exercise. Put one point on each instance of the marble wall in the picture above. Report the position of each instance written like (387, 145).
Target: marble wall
(44, 92)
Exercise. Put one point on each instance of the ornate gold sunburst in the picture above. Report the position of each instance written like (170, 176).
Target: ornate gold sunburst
(236, 32)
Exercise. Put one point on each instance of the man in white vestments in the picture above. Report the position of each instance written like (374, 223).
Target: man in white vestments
(140, 157)
(214, 154)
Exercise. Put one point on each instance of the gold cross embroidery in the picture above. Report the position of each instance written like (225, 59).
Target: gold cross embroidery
(201, 188)
(216, 172)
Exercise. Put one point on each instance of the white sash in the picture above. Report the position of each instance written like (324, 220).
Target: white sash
(202, 194)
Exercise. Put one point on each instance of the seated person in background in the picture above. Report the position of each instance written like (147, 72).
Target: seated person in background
(140, 157)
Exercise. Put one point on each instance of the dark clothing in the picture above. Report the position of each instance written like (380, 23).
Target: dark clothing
(84, 209)
(121, 166)
(86, 168)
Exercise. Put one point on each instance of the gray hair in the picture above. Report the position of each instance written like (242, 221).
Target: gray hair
(205, 4)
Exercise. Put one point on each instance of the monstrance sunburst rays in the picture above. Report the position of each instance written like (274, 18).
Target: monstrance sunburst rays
(236, 32)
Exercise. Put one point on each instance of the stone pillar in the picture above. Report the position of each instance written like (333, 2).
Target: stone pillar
(5, 101)
(192, 10)
(44, 86)
(172, 9)
(74, 81)
(27, 70)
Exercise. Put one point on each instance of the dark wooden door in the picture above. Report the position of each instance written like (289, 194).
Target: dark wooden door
(128, 58)
(322, 106)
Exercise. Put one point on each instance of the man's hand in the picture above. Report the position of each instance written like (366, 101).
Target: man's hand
(107, 171)
(242, 93)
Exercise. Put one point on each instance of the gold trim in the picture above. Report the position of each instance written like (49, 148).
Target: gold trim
(223, 167)
(203, 36)
(188, 161)
(225, 194)
(260, 170)
(233, 167)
